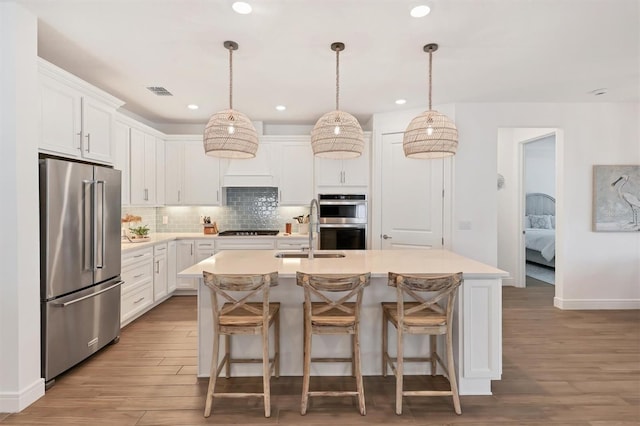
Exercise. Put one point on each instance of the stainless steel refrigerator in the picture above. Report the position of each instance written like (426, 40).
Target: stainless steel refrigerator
(79, 261)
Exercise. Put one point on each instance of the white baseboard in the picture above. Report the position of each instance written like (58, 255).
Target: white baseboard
(509, 282)
(596, 304)
(14, 402)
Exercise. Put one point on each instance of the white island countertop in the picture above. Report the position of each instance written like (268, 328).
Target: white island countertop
(378, 262)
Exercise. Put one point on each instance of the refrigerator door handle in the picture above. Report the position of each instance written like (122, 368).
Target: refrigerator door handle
(88, 227)
(101, 227)
(80, 299)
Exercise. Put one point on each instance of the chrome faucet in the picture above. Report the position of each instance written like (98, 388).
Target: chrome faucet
(313, 201)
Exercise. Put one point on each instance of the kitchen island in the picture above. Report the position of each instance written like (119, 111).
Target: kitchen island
(477, 327)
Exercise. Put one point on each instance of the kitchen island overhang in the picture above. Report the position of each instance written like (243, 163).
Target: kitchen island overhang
(477, 326)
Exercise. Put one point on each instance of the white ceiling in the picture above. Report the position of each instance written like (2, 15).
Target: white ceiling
(490, 51)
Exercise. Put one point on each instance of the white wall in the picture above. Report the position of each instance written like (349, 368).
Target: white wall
(20, 381)
(540, 166)
(596, 270)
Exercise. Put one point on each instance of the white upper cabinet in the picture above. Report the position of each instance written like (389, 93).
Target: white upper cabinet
(76, 119)
(191, 176)
(344, 173)
(295, 171)
(121, 159)
(142, 168)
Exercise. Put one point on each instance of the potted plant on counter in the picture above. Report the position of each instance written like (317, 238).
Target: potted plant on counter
(134, 233)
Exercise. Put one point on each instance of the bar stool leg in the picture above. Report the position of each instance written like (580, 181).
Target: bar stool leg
(227, 353)
(276, 342)
(358, 372)
(433, 347)
(306, 367)
(353, 355)
(399, 373)
(385, 333)
(266, 371)
(212, 376)
(451, 371)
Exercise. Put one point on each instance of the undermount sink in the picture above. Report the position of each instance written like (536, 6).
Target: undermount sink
(306, 255)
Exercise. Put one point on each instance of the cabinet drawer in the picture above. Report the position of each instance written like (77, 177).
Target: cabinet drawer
(292, 245)
(136, 274)
(245, 244)
(136, 301)
(129, 258)
(160, 249)
(205, 245)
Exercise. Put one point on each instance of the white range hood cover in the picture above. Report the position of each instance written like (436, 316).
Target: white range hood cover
(253, 172)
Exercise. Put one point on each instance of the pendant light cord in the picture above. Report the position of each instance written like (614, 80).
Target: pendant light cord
(338, 80)
(430, 68)
(230, 78)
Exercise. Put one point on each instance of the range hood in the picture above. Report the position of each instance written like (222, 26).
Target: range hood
(253, 172)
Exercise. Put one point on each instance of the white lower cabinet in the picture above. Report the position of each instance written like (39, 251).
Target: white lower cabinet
(172, 273)
(160, 269)
(137, 290)
(229, 243)
(292, 243)
(185, 257)
(204, 249)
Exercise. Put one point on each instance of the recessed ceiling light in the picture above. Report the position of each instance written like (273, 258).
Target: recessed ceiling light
(401, 101)
(281, 107)
(193, 106)
(241, 7)
(420, 11)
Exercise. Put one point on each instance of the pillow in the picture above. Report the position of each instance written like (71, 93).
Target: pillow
(527, 222)
(542, 221)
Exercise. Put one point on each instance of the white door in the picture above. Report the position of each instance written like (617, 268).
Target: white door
(150, 145)
(412, 198)
(60, 126)
(356, 170)
(328, 172)
(185, 257)
(201, 176)
(121, 158)
(136, 170)
(296, 174)
(159, 277)
(174, 162)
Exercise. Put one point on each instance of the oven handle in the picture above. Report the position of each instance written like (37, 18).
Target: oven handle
(344, 225)
(342, 202)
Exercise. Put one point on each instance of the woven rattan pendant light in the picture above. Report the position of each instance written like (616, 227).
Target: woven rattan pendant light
(229, 133)
(431, 134)
(337, 134)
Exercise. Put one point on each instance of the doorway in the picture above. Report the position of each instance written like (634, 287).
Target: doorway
(527, 165)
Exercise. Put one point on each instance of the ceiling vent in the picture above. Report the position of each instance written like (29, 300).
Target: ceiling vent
(160, 91)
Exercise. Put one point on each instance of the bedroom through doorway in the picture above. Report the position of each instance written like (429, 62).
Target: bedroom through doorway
(526, 196)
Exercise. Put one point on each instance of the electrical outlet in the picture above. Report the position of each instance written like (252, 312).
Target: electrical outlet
(165, 220)
(201, 220)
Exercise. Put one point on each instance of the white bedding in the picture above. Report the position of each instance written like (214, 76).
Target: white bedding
(542, 240)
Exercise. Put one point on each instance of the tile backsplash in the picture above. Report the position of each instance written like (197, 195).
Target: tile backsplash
(246, 208)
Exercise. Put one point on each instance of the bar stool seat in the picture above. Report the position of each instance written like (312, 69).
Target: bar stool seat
(426, 316)
(334, 314)
(238, 316)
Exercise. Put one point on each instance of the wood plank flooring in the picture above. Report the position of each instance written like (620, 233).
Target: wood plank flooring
(560, 368)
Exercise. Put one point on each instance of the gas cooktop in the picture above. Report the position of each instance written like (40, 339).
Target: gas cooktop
(247, 232)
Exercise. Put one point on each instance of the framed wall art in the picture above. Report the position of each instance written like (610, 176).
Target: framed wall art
(616, 198)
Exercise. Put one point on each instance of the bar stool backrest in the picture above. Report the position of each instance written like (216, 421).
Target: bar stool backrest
(439, 286)
(319, 284)
(244, 288)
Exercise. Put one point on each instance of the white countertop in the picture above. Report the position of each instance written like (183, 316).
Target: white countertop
(378, 262)
(164, 237)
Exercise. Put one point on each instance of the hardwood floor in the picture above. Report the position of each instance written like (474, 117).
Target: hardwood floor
(560, 368)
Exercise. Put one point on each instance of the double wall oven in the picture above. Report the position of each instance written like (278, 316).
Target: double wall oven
(343, 221)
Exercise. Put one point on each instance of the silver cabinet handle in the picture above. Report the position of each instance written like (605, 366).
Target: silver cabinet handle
(139, 300)
(191, 249)
(138, 276)
(146, 194)
(138, 255)
(157, 266)
(217, 195)
(386, 237)
(88, 136)
(280, 195)
(80, 141)
(178, 195)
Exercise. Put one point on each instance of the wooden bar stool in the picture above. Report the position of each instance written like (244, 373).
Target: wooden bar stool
(423, 316)
(332, 314)
(239, 316)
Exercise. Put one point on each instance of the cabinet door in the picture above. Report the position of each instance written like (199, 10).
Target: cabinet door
(185, 257)
(96, 131)
(159, 277)
(328, 172)
(171, 266)
(296, 174)
(201, 176)
(173, 175)
(150, 145)
(60, 126)
(160, 176)
(136, 171)
(356, 170)
(121, 158)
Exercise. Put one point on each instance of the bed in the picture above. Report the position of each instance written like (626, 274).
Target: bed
(540, 229)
